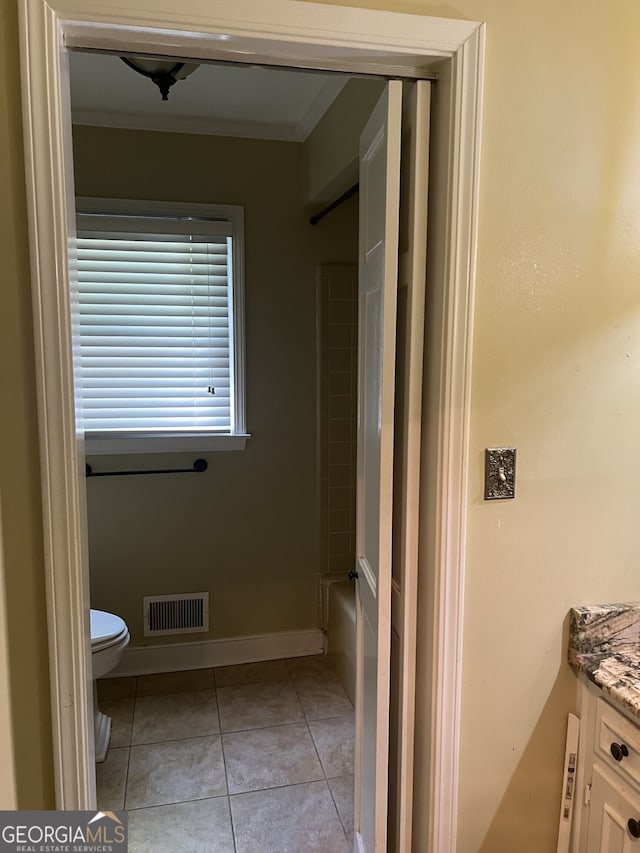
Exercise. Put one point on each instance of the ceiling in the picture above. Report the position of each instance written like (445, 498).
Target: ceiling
(223, 100)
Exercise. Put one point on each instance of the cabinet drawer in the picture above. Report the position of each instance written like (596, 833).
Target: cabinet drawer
(618, 736)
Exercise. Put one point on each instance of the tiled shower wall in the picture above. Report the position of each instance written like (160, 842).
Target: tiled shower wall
(337, 293)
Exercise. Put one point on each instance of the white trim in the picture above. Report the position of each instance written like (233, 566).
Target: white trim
(206, 443)
(222, 214)
(271, 32)
(8, 782)
(146, 660)
(277, 32)
(49, 187)
(452, 444)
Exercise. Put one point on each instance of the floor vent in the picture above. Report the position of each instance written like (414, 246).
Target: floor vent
(176, 614)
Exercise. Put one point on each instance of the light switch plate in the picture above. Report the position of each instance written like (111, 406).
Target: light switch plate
(499, 473)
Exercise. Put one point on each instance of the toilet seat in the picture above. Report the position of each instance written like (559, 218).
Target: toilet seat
(109, 638)
(107, 630)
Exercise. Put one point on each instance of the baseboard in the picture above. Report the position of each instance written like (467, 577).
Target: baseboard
(146, 660)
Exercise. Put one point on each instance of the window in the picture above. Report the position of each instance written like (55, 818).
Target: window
(161, 333)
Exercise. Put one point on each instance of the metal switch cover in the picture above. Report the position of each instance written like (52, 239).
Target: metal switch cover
(499, 473)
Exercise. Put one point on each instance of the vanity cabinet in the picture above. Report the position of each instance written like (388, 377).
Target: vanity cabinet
(607, 791)
(610, 809)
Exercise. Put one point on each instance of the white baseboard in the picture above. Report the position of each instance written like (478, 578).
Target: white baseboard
(146, 660)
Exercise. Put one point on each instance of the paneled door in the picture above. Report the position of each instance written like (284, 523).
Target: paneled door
(380, 145)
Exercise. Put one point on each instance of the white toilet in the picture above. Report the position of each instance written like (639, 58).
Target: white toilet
(109, 638)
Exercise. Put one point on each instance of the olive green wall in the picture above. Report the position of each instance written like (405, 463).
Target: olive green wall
(21, 557)
(331, 149)
(246, 529)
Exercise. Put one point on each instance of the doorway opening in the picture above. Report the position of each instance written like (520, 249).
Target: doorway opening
(134, 550)
(268, 530)
(308, 36)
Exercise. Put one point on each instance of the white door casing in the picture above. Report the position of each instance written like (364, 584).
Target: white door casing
(277, 32)
(377, 292)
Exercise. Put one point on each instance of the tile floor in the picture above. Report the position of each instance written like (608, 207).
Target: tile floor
(256, 758)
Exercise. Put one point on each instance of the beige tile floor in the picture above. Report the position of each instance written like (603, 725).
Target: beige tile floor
(256, 758)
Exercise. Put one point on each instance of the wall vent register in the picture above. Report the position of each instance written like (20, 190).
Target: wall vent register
(187, 613)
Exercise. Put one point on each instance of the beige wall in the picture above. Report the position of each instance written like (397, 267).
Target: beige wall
(555, 373)
(245, 530)
(21, 560)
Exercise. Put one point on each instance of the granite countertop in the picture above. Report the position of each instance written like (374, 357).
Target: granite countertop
(604, 644)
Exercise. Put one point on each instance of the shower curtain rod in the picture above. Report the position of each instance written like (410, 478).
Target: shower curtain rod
(199, 466)
(345, 195)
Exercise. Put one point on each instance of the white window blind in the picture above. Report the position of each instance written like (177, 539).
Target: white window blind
(156, 308)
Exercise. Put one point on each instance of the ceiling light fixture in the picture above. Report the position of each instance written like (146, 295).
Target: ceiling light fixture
(164, 73)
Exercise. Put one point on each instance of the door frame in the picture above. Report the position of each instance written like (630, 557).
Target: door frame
(280, 32)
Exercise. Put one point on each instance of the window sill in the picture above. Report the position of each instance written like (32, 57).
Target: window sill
(96, 445)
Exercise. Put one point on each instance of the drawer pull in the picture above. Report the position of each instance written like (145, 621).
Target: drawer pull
(634, 827)
(620, 751)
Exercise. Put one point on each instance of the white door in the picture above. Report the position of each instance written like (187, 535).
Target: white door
(414, 177)
(377, 292)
